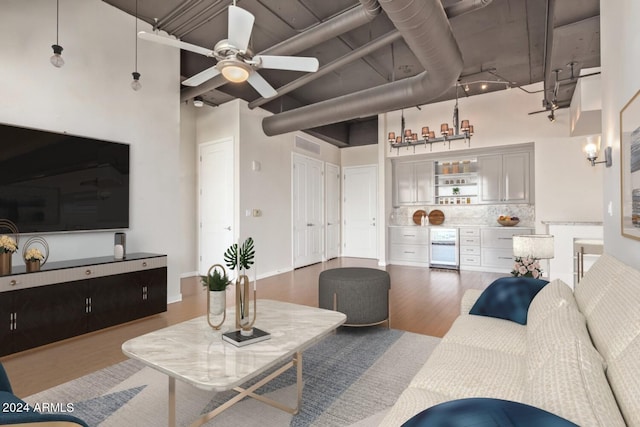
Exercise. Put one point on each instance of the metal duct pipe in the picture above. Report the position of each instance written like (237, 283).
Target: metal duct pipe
(368, 48)
(339, 24)
(324, 31)
(463, 7)
(425, 28)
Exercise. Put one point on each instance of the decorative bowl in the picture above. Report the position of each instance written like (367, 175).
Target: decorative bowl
(508, 222)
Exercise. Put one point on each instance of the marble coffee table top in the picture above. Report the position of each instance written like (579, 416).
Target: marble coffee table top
(194, 353)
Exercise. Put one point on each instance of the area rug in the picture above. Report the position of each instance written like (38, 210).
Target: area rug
(351, 378)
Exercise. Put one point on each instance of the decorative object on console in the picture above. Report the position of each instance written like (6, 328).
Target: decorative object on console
(120, 245)
(216, 284)
(242, 258)
(33, 257)
(592, 148)
(630, 168)
(8, 245)
(56, 58)
(459, 130)
(527, 250)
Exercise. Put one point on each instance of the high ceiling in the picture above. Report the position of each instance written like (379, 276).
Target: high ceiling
(507, 42)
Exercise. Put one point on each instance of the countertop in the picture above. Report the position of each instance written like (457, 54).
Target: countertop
(571, 222)
(461, 225)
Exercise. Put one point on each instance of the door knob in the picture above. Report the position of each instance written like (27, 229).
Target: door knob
(228, 228)
(309, 225)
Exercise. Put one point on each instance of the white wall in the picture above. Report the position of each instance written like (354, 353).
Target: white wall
(501, 118)
(268, 189)
(188, 182)
(620, 41)
(90, 96)
(359, 156)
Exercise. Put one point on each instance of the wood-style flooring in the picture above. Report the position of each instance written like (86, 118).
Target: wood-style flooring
(422, 300)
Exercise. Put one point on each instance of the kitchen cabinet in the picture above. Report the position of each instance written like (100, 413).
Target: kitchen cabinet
(469, 246)
(505, 178)
(409, 245)
(497, 247)
(75, 297)
(413, 182)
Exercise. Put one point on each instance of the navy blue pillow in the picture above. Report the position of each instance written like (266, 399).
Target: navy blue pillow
(508, 298)
(484, 412)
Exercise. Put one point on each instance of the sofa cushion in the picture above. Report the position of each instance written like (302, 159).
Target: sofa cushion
(412, 401)
(559, 328)
(482, 412)
(571, 383)
(553, 296)
(623, 377)
(488, 333)
(461, 371)
(508, 298)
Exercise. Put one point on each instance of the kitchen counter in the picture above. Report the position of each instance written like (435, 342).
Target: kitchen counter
(571, 222)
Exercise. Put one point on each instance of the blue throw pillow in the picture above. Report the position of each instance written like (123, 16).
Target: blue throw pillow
(508, 298)
(484, 412)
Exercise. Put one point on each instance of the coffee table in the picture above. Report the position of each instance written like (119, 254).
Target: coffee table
(195, 354)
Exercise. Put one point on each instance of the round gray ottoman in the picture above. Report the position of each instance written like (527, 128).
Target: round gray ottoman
(360, 293)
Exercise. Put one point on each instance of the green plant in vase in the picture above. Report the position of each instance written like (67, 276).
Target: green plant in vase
(215, 281)
(242, 257)
(456, 191)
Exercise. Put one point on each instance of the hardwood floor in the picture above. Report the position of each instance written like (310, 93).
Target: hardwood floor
(422, 300)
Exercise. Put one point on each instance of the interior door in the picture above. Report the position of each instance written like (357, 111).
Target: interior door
(308, 207)
(216, 178)
(332, 233)
(360, 206)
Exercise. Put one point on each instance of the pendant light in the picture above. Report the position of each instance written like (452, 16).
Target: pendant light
(56, 58)
(135, 83)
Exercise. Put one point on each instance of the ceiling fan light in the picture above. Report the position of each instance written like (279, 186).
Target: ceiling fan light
(198, 102)
(56, 58)
(235, 73)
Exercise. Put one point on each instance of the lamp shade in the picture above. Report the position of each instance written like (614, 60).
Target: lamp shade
(538, 246)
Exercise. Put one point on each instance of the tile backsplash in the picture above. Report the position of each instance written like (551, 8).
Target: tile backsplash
(486, 215)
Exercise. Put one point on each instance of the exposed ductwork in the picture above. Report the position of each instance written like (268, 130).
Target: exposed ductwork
(426, 30)
(339, 24)
(368, 48)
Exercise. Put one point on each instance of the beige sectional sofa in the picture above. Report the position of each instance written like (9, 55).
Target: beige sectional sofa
(578, 356)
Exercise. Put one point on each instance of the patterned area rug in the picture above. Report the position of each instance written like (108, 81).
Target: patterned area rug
(351, 378)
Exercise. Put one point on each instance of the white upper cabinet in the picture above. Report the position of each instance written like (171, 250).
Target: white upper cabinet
(505, 178)
(413, 182)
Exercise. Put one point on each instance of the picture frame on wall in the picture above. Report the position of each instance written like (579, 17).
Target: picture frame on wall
(630, 167)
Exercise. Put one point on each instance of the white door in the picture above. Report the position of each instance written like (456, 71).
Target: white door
(215, 201)
(360, 208)
(308, 207)
(332, 198)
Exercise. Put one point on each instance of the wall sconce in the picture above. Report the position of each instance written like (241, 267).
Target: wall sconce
(592, 148)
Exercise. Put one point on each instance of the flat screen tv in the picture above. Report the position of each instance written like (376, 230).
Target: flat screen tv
(52, 182)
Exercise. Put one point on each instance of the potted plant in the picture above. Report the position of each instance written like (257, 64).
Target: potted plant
(216, 282)
(7, 248)
(32, 259)
(242, 258)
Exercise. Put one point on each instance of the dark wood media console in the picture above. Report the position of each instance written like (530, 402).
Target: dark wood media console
(70, 298)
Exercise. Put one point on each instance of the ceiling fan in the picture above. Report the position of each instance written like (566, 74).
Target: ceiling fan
(236, 62)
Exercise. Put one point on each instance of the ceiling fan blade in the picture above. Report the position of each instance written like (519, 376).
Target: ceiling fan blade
(175, 43)
(201, 77)
(538, 112)
(261, 85)
(240, 26)
(295, 63)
